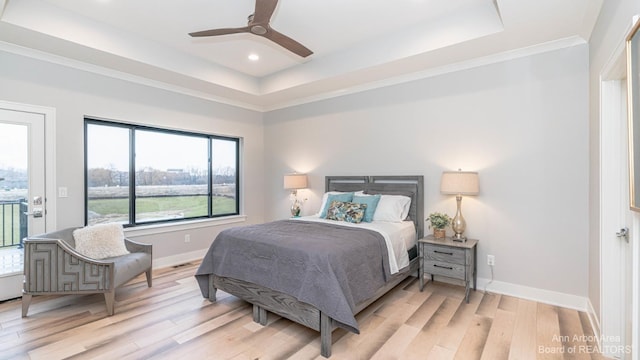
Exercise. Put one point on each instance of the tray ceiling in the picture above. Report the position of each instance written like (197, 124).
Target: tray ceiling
(357, 44)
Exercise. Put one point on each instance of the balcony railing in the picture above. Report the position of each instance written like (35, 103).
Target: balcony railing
(13, 220)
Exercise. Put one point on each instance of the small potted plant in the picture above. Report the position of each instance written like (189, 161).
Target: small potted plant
(439, 222)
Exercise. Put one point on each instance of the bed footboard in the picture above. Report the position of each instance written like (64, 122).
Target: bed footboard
(282, 304)
(264, 299)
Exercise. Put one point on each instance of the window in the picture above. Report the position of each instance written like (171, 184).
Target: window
(138, 174)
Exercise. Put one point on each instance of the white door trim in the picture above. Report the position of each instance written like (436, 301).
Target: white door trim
(610, 217)
(635, 289)
(50, 155)
(614, 209)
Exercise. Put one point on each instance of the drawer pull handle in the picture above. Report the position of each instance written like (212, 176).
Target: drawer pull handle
(443, 267)
(442, 252)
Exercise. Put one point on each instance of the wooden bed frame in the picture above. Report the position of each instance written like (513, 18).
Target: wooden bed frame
(264, 299)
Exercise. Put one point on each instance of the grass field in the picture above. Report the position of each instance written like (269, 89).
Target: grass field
(161, 207)
(9, 222)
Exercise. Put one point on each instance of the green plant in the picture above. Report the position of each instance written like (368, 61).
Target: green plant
(438, 220)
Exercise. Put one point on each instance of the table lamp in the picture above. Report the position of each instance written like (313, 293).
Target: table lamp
(294, 182)
(459, 183)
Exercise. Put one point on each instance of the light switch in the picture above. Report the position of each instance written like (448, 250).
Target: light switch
(62, 192)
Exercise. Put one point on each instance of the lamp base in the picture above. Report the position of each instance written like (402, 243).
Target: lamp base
(459, 238)
(458, 224)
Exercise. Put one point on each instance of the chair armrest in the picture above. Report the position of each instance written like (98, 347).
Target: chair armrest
(64, 247)
(134, 246)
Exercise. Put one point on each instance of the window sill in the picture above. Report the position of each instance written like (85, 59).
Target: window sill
(153, 229)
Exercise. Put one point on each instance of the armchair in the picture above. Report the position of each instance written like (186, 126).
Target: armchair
(53, 266)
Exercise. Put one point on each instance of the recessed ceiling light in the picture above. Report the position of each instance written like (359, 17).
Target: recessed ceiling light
(254, 57)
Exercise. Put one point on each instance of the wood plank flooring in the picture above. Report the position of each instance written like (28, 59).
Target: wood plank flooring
(172, 321)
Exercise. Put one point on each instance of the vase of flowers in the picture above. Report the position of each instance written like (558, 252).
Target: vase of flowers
(296, 205)
(295, 208)
(438, 221)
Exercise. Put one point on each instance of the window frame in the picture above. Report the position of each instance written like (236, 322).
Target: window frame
(132, 170)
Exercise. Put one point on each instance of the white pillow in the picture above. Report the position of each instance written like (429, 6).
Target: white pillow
(394, 208)
(100, 241)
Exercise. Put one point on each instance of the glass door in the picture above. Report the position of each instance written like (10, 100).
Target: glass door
(22, 191)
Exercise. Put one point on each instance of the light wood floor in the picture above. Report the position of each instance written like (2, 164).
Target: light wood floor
(172, 321)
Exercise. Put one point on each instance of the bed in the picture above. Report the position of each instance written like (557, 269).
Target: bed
(315, 272)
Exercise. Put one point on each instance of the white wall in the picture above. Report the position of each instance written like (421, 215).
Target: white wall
(75, 93)
(522, 124)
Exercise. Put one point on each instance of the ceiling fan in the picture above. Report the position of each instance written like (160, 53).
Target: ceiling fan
(259, 25)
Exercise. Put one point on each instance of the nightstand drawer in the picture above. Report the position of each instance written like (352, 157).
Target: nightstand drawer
(455, 271)
(444, 254)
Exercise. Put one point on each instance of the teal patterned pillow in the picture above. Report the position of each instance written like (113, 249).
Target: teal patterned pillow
(346, 211)
(345, 197)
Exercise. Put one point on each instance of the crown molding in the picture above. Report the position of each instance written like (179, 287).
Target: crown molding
(101, 70)
(449, 68)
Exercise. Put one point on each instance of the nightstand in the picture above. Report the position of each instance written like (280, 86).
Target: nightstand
(453, 259)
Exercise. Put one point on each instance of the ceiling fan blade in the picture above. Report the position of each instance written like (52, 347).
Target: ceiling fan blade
(216, 32)
(264, 10)
(259, 25)
(287, 43)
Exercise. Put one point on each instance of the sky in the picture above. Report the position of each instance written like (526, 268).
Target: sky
(108, 146)
(13, 146)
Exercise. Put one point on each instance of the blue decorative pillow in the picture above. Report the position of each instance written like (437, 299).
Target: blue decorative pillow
(343, 197)
(346, 211)
(372, 203)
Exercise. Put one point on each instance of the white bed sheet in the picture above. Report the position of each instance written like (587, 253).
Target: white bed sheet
(399, 237)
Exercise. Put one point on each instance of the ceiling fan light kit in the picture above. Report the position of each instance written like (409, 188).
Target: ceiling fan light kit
(259, 25)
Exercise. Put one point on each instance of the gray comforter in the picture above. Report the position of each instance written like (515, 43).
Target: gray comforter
(329, 266)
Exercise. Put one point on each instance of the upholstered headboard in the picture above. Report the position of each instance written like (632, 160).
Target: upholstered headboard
(411, 186)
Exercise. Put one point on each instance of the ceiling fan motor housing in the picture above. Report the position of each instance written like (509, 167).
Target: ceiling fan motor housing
(258, 29)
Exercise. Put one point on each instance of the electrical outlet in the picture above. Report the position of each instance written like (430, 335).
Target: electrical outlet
(491, 260)
(187, 238)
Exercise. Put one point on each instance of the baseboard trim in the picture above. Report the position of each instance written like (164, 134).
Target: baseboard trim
(594, 319)
(540, 295)
(179, 259)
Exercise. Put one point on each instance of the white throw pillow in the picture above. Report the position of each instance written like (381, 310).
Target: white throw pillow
(100, 241)
(394, 208)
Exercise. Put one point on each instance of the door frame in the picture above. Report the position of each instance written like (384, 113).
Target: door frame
(612, 218)
(613, 117)
(49, 114)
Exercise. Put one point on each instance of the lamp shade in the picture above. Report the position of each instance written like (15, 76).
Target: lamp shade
(459, 182)
(295, 181)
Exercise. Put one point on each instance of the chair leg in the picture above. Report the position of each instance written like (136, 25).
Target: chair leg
(149, 279)
(26, 301)
(110, 299)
